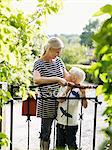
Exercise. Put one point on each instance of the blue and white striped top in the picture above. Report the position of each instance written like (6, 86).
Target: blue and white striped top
(46, 108)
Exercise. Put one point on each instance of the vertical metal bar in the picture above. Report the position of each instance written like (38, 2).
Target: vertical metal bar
(80, 130)
(66, 147)
(28, 119)
(94, 128)
(54, 136)
(11, 120)
(54, 140)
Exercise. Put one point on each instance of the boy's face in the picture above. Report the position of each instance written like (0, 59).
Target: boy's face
(68, 77)
(75, 79)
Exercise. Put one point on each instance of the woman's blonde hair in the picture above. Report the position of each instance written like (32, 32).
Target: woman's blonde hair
(77, 73)
(53, 42)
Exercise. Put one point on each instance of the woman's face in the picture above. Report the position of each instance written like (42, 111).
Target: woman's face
(55, 52)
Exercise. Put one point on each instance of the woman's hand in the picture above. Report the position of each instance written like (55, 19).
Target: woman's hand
(62, 81)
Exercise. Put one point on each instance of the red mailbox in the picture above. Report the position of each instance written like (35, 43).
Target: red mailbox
(29, 107)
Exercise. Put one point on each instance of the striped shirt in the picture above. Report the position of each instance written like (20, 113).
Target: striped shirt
(46, 107)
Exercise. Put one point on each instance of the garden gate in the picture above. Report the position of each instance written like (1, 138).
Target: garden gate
(93, 99)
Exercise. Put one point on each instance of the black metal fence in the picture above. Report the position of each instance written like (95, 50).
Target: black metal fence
(93, 99)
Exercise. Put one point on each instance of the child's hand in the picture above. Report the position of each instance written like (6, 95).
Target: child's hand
(61, 100)
(83, 91)
(70, 84)
(84, 103)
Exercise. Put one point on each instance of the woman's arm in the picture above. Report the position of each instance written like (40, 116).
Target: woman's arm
(38, 79)
(66, 75)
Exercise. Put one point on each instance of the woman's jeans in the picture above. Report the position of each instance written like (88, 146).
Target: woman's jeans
(46, 125)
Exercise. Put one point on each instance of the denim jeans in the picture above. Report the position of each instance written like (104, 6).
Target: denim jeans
(46, 129)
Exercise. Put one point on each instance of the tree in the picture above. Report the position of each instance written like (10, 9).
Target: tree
(70, 39)
(103, 68)
(88, 31)
(18, 46)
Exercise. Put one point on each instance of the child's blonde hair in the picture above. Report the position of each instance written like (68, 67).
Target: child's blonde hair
(77, 73)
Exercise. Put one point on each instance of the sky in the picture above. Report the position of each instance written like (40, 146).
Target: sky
(73, 17)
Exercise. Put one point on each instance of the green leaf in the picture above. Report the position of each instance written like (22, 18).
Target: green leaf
(2, 135)
(108, 111)
(103, 77)
(106, 88)
(96, 73)
(8, 95)
(40, 0)
(1, 117)
(39, 22)
(99, 90)
(53, 9)
(103, 10)
(104, 49)
(3, 139)
(40, 5)
(107, 9)
(107, 57)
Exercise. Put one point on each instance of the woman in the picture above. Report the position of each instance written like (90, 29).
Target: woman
(49, 72)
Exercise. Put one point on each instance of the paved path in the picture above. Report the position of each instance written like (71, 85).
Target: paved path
(20, 129)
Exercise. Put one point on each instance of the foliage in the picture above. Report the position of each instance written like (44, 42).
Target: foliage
(18, 40)
(19, 37)
(103, 68)
(88, 31)
(3, 139)
(70, 39)
(74, 54)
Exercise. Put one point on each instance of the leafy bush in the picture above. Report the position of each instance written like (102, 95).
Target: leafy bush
(103, 67)
(75, 54)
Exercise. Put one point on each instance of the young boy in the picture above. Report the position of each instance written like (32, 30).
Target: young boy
(67, 113)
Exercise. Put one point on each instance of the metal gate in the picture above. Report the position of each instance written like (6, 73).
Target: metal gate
(93, 99)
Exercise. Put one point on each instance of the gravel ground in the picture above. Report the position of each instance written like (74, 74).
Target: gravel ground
(20, 127)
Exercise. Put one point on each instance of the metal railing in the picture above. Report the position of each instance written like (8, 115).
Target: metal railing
(93, 99)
